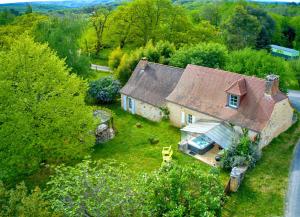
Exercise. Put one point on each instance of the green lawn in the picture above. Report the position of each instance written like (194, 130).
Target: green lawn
(263, 191)
(132, 147)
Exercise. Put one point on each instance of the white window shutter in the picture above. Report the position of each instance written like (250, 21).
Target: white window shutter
(193, 119)
(133, 106)
(125, 103)
(182, 118)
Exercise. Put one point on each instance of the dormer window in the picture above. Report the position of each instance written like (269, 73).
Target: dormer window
(235, 91)
(233, 101)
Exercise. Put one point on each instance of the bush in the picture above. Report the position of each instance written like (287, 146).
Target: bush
(104, 90)
(241, 153)
(159, 53)
(128, 64)
(138, 125)
(184, 191)
(115, 57)
(153, 140)
(166, 50)
(165, 113)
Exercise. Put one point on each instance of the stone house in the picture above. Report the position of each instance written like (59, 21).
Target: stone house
(204, 95)
(147, 89)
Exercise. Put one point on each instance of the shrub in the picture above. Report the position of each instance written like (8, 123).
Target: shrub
(151, 52)
(127, 65)
(158, 53)
(184, 191)
(166, 50)
(105, 89)
(153, 140)
(115, 57)
(138, 125)
(241, 153)
(165, 113)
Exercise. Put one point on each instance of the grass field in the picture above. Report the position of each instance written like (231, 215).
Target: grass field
(262, 194)
(132, 147)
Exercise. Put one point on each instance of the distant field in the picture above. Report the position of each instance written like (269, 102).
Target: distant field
(35, 7)
(56, 6)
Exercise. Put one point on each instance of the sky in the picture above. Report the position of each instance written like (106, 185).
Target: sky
(13, 1)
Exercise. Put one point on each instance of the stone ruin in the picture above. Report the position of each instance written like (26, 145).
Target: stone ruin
(104, 130)
(236, 177)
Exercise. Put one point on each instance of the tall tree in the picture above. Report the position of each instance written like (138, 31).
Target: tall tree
(241, 29)
(122, 24)
(28, 9)
(295, 64)
(20, 201)
(264, 37)
(260, 63)
(62, 35)
(289, 34)
(108, 189)
(6, 17)
(211, 55)
(295, 24)
(43, 115)
(99, 21)
(212, 12)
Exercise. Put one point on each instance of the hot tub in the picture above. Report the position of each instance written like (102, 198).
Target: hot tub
(200, 144)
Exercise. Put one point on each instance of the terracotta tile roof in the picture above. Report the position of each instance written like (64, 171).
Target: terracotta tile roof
(238, 88)
(204, 90)
(152, 82)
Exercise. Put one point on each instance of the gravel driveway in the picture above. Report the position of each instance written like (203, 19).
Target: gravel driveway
(294, 96)
(293, 196)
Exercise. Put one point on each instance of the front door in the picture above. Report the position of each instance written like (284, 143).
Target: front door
(131, 105)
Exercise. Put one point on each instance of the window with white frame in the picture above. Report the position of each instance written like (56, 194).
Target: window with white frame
(190, 119)
(233, 101)
(129, 103)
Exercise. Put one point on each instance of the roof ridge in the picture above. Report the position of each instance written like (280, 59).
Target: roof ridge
(224, 71)
(166, 65)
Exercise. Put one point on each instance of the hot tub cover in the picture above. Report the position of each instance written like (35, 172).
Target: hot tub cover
(220, 133)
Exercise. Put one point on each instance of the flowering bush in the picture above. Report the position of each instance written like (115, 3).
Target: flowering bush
(105, 89)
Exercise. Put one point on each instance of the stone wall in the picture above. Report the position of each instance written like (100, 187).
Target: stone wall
(145, 110)
(175, 114)
(104, 133)
(281, 119)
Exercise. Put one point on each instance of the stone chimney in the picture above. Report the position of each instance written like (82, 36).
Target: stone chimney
(143, 64)
(271, 84)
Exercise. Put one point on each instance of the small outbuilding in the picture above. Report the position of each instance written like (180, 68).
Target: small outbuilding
(284, 52)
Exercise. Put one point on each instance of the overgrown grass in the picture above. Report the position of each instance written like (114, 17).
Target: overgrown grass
(132, 147)
(263, 190)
